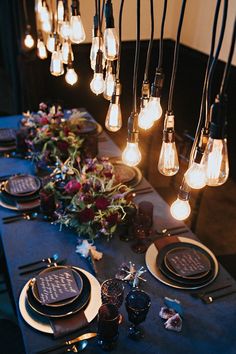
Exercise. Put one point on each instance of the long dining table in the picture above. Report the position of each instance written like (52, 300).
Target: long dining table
(207, 328)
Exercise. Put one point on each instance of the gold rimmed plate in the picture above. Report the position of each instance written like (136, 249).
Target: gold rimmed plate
(197, 276)
(131, 176)
(152, 262)
(78, 280)
(22, 185)
(70, 309)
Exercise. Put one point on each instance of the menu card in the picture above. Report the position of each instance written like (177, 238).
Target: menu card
(56, 286)
(23, 184)
(7, 135)
(188, 262)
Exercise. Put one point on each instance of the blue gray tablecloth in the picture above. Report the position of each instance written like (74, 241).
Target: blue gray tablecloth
(207, 329)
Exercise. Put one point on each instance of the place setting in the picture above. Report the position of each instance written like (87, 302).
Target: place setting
(7, 140)
(60, 300)
(20, 192)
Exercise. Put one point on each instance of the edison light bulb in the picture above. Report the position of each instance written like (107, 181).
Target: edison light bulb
(144, 120)
(109, 85)
(180, 209)
(60, 10)
(51, 43)
(168, 164)
(195, 176)
(97, 85)
(56, 66)
(65, 29)
(44, 17)
(216, 162)
(111, 44)
(41, 50)
(29, 41)
(65, 50)
(153, 109)
(113, 119)
(77, 34)
(71, 77)
(131, 155)
(46, 26)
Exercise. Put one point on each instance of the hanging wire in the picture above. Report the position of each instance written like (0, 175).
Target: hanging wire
(213, 64)
(102, 14)
(225, 79)
(202, 107)
(136, 60)
(25, 13)
(176, 55)
(150, 42)
(120, 39)
(160, 59)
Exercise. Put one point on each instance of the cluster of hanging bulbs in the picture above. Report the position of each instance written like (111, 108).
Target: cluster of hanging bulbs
(57, 31)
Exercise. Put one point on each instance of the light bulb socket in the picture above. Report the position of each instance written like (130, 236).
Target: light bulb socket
(115, 98)
(95, 26)
(109, 14)
(133, 128)
(98, 66)
(75, 8)
(168, 135)
(28, 29)
(184, 191)
(157, 85)
(218, 118)
(198, 155)
(145, 93)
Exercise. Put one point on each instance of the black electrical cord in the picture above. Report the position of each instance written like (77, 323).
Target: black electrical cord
(225, 78)
(102, 14)
(136, 60)
(120, 39)
(96, 8)
(160, 59)
(213, 64)
(202, 107)
(25, 13)
(150, 42)
(176, 55)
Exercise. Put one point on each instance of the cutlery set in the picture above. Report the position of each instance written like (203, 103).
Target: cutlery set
(213, 294)
(22, 216)
(45, 263)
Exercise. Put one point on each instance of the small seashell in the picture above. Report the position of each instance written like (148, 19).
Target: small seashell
(166, 313)
(174, 323)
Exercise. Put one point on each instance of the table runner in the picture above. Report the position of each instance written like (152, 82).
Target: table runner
(206, 328)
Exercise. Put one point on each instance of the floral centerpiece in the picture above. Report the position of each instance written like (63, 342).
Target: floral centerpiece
(94, 205)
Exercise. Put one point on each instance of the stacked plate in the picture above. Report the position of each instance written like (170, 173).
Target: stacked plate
(20, 192)
(131, 176)
(184, 264)
(7, 140)
(39, 314)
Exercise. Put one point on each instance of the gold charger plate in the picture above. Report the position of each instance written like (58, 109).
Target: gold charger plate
(151, 262)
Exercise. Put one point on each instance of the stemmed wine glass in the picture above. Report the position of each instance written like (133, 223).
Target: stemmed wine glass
(137, 304)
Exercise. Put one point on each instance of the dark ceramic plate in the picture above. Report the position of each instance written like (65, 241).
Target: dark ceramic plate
(66, 310)
(78, 280)
(178, 279)
(34, 184)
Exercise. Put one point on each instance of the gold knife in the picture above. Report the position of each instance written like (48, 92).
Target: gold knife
(69, 342)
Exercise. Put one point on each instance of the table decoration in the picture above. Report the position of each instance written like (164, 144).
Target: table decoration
(94, 206)
(128, 273)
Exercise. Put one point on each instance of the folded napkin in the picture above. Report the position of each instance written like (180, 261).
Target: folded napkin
(164, 241)
(65, 325)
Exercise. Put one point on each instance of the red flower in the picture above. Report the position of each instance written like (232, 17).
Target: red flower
(86, 215)
(43, 120)
(66, 131)
(102, 203)
(72, 186)
(108, 174)
(112, 219)
(62, 146)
